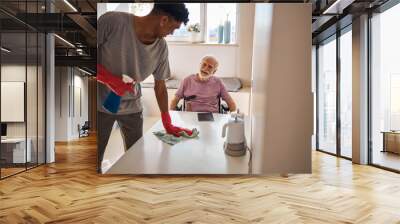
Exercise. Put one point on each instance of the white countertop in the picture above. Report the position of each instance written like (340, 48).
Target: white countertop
(13, 140)
(204, 155)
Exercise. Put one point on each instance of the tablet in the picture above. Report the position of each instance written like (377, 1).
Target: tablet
(206, 116)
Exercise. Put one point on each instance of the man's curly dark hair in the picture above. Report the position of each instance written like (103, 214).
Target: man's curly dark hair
(177, 10)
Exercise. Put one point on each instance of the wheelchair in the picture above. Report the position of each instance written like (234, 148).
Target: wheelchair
(222, 105)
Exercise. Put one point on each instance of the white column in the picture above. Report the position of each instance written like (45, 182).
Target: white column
(50, 92)
(360, 90)
(282, 101)
(50, 101)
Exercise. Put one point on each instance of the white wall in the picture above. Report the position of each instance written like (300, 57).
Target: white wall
(61, 103)
(79, 117)
(360, 90)
(234, 60)
(67, 114)
(282, 101)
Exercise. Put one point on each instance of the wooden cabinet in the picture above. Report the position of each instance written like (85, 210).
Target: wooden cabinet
(391, 142)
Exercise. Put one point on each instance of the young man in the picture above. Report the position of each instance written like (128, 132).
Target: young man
(206, 88)
(134, 46)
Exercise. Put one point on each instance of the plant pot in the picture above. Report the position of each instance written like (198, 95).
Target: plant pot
(196, 37)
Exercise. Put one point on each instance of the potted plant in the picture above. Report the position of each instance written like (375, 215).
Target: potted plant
(194, 29)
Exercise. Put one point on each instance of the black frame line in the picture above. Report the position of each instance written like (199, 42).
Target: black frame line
(45, 87)
(316, 97)
(338, 95)
(369, 94)
(44, 79)
(37, 91)
(26, 88)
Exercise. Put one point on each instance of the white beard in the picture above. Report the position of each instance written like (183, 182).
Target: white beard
(203, 77)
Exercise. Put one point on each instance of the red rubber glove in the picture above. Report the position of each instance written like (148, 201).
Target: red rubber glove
(171, 129)
(113, 82)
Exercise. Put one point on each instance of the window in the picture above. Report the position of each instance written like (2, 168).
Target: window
(394, 102)
(182, 34)
(217, 23)
(327, 96)
(346, 94)
(121, 7)
(139, 9)
(221, 23)
(385, 88)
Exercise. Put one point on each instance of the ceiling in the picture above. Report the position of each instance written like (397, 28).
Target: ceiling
(76, 23)
(332, 15)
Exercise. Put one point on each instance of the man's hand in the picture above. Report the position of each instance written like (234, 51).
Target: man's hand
(114, 83)
(171, 129)
(162, 99)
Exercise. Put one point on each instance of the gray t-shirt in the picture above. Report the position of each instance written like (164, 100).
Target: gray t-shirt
(120, 52)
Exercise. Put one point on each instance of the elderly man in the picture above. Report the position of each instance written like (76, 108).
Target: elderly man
(203, 89)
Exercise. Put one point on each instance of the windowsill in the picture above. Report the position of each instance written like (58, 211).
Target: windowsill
(184, 43)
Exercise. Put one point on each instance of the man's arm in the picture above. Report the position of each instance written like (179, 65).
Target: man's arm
(160, 74)
(161, 93)
(178, 96)
(231, 104)
(227, 97)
